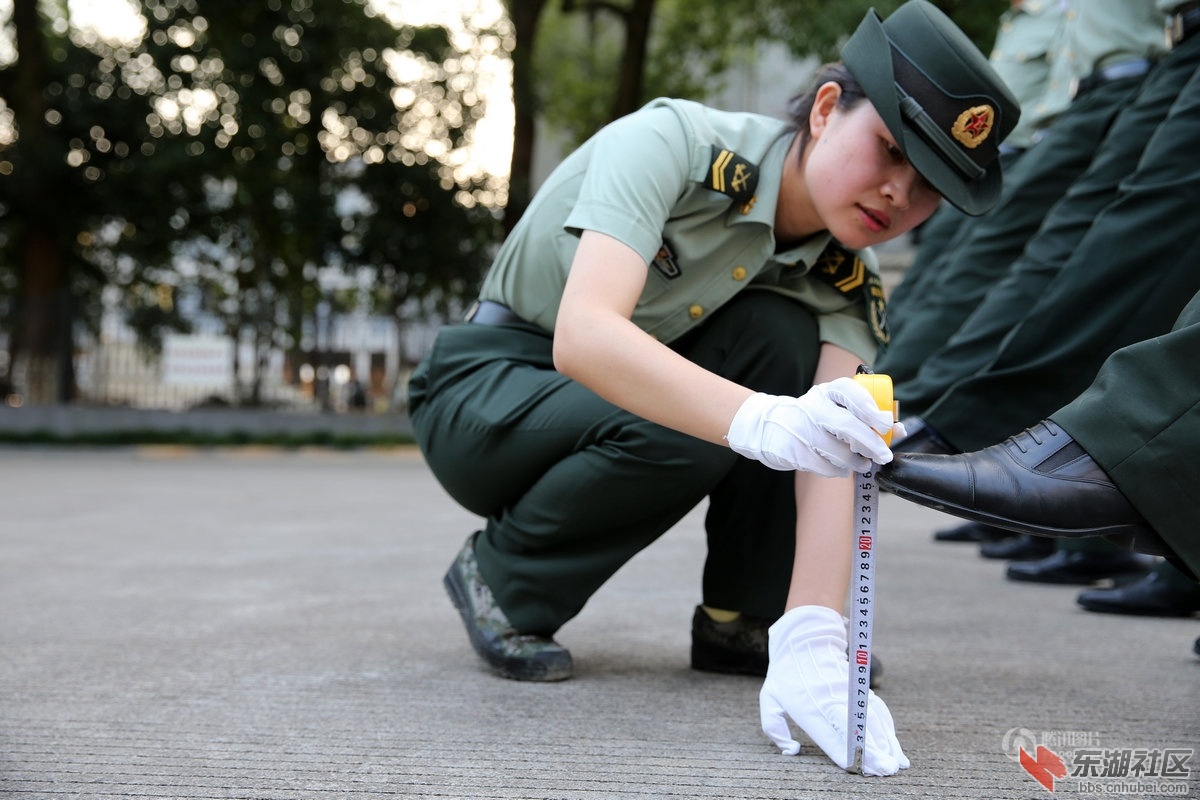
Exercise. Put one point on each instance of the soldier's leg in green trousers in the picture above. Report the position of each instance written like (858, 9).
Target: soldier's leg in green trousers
(1174, 578)
(1140, 421)
(941, 237)
(986, 247)
(933, 239)
(572, 487)
(752, 511)
(1124, 281)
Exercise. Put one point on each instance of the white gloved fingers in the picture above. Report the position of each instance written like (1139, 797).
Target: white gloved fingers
(834, 460)
(822, 714)
(784, 434)
(855, 398)
(883, 755)
(774, 721)
(898, 431)
(843, 463)
(878, 714)
(848, 427)
(827, 431)
(878, 763)
(824, 464)
(807, 679)
(829, 442)
(861, 405)
(866, 443)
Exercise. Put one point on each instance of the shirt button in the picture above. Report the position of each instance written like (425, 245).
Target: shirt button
(695, 312)
(739, 273)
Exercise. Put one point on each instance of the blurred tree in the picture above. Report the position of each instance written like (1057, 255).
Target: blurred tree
(303, 106)
(247, 152)
(64, 147)
(526, 17)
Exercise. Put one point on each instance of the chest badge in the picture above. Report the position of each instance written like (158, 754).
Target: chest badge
(665, 262)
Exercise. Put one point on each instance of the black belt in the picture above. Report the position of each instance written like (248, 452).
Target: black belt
(487, 312)
(1183, 23)
(1113, 72)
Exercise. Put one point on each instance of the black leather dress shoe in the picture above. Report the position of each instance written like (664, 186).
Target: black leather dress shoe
(1022, 547)
(1071, 567)
(922, 439)
(972, 532)
(1152, 596)
(1039, 481)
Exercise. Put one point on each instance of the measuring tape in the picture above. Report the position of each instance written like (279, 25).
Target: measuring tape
(862, 582)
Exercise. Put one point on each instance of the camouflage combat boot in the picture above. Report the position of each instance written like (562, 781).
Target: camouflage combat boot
(511, 654)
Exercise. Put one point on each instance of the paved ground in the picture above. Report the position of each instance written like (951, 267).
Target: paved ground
(261, 624)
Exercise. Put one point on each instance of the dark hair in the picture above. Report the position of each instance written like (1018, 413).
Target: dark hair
(800, 106)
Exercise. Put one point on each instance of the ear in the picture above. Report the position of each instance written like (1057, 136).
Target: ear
(823, 107)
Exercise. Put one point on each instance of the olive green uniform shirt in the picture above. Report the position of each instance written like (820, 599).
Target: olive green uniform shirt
(693, 191)
(1028, 36)
(1100, 33)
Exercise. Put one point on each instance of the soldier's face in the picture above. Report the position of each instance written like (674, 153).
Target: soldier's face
(857, 180)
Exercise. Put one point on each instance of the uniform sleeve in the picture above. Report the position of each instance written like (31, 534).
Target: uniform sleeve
(639, 169)
(841, 319)
(849, 331)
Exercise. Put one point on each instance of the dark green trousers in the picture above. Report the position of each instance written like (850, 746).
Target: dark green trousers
(953, 281)
(933, 240)
(910, 306)
(572, 487)
(1113, 264)
(1140, 420)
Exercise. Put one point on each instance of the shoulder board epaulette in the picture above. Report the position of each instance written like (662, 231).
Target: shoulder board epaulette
(846, 272)
(732, 175)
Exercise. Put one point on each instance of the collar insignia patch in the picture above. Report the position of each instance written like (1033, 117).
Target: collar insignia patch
(846, 272)
(732, 175)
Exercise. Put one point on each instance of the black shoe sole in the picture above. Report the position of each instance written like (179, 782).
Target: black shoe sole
(710, 658)
(557, 667)
(963, 533)
(1017, 526)
(1069, 579)
(1137, 611)
(1136, 601)
(1022, 547)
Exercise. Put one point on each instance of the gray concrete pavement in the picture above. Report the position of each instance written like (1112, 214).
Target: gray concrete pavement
(265, 624)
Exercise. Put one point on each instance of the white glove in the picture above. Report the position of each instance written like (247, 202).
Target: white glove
(806, 680)
(833, 430)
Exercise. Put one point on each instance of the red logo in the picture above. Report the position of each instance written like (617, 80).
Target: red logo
(978, 124)
(1045, 768)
